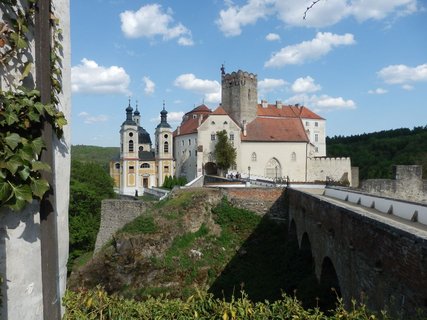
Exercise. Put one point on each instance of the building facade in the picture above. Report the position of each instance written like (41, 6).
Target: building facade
(140, 166)
(273, 141)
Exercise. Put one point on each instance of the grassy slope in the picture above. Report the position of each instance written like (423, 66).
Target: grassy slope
(155, 254)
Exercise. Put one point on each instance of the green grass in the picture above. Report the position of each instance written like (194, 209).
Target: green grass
(141, 225)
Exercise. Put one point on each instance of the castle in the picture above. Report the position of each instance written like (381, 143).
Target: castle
(272, 141)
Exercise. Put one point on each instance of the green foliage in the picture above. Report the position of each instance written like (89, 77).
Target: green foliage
(97, 304)
(90, 184)
(171, 182)
(22, 117)
(140, 225)
(376, 153)
(225, 153)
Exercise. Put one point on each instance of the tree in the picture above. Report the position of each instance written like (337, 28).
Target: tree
(225, 153)
(90, 184)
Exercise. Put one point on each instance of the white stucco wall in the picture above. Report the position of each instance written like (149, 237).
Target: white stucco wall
(282, 151)
(332, 168)
(316, 127)
(186, 164)
(20, 252)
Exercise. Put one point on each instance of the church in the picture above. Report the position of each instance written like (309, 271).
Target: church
(139, 165)
(272, 141)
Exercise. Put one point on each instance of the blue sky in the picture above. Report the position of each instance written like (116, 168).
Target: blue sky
(360, 64)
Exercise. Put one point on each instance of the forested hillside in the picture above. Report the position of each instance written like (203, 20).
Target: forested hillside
(376, 153)
(100, 155)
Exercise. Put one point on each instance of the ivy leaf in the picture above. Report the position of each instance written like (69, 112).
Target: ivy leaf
(18, 205)
(26, 71)
(13, 140)
(13, 164)
(61, 121)
(39, 187)
(26, 153)
(24, 173)
(5, 191)
(23, 193)
(37, 145)
(40, 166)
(11, 118)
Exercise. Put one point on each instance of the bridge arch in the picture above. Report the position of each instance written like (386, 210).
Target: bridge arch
(329, 285)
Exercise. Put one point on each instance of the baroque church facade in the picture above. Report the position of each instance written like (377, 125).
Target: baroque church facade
(139, 165)
(272, 141)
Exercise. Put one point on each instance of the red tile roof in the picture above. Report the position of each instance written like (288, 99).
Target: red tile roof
(287, 112)
(200, 109)
(275, 130)
(220, 111)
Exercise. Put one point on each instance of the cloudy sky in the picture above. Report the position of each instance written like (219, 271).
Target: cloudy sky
(360, 64)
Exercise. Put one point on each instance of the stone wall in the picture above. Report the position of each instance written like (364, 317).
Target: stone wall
(114, 215)
(407, 184)
(260, 200)
(323, 169)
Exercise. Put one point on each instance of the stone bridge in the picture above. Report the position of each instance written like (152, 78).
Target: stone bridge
(368, 249)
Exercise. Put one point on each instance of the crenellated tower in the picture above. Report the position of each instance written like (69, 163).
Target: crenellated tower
(239, 95)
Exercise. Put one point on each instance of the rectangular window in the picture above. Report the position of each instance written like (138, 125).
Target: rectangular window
(131, 169)
(316, 137)
(316, 149)
(213, 137)
(307, 123)
(182, 142)
(316, 124)
(189, 142)
(231, 136)
(189, 152)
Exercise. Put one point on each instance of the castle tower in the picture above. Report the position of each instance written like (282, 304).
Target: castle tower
(239, 95)
(164, 148)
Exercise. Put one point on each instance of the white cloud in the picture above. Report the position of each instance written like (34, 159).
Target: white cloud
(324, 13)
(89, 119)
(378, 91)
(305, 85)
(322, 102)
(172, 117)
(209, 88)
(272, 37)
(407, 87)
(89, 77)
(150, 21)
(233, 18)
(149, 86)
(402, 74)
(309, 50)
(268, 85)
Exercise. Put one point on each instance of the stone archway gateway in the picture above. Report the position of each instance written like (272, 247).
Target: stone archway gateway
(273, 169)
(211, 168)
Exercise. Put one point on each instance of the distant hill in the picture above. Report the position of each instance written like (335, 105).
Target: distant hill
(375, 153)
(100, 155)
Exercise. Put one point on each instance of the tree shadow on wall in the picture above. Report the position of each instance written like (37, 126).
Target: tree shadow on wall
(270, 263)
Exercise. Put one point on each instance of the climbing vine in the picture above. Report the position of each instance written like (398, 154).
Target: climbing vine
(22, 115)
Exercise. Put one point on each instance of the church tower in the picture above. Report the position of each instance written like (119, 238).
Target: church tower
(239, 95)
(164, 148)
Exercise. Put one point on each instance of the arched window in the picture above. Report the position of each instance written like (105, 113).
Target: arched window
(145, 165)
(130, 145)
(117, 165)
(166, 147)
(253, 157)
(213, 136)
(294, 156)
(273, 169)
(225, 122)
(141, 148)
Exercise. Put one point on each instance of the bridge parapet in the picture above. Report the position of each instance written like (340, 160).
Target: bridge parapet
(410, 211)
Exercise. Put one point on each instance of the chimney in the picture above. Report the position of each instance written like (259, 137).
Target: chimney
(278, 104)
(264, 103)
(244, 128)
(178, 130)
